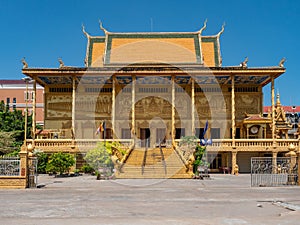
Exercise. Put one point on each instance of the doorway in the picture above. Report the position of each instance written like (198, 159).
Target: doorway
(145, 137)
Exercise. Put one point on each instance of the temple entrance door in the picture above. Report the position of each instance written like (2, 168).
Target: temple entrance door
(145, 137)
(160, 136)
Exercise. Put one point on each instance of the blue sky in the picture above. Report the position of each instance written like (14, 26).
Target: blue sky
(44, 30)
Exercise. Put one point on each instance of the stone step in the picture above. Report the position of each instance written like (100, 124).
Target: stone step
(154, 167)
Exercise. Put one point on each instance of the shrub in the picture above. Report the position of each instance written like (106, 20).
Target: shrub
(60, 162)
(42, 161)
(99, 156)
(87, 168)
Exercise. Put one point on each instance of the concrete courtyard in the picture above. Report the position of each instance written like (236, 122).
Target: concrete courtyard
(223, 199)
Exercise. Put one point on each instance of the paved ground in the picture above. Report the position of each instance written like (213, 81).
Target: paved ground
(224, 199)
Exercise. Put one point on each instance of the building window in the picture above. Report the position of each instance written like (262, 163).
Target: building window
(244, 89)
(215, 133)
(32, 95)
(99, 90)
(237, 133)
(14, 103)
(108, 133)
(60, 89)
(199, 133)
(179, 132)
(7, 102)
(26, 96)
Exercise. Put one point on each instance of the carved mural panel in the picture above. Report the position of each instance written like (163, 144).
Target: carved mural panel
(91, 106)
(247, 103)
(58, 105)
(153, 106)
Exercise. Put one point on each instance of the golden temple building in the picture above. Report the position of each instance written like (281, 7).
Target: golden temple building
(151, 89)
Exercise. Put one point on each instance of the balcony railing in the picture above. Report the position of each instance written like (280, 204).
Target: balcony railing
(217, 144)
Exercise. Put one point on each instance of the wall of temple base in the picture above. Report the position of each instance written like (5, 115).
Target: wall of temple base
(13, 182)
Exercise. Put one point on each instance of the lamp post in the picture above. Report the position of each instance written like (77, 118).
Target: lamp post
(26, 80)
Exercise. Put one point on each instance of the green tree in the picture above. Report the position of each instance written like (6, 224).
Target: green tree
(100, 155)
(60, 162)
(7, 142)
(13, 122)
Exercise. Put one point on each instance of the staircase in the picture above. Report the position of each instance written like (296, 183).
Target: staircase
(153, 163)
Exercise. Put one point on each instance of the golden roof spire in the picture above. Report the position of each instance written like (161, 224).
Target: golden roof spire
(203, 28)
(278, 99)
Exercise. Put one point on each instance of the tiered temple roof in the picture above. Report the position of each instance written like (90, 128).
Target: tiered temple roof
(183, 54)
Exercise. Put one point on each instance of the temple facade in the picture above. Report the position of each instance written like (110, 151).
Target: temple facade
(148, 90)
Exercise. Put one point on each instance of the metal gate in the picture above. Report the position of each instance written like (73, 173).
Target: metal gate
(32, 172)
(268, 171)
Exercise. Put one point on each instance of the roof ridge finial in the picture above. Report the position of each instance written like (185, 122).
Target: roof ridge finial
(203, 28)
(282, 61)
(61, 63)
(85, 33)
(222, 30)
(25, 65)
(102, 28)
(244, 63)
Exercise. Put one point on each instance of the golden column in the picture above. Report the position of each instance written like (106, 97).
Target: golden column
(34, 112)
(173, 111)
(232, 112)
(273, 110)
(73, 105)
(133, 106)
(274, 162)
(26, 80)
(113, 106)
(193, 107)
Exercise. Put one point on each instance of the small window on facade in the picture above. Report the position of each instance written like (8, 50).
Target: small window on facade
(14, 103)
(7, 102)
(180, 132)
(215, 133)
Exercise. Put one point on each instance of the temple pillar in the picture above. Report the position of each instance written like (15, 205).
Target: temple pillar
(193, 107)
(73, 106)
(273, 111)
(173, 111)
(274, 161)
(232, 111)
(33, 112)
(233, 161)
(133, 106)
(113, 106)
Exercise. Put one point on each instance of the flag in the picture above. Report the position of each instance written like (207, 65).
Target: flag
(100, 128)
(104, 126)
(205, 129)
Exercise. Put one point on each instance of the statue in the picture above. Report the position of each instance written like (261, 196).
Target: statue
(236, 170)
(116, 158)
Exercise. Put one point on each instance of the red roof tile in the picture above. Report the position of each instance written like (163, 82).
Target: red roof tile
(287, 109)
